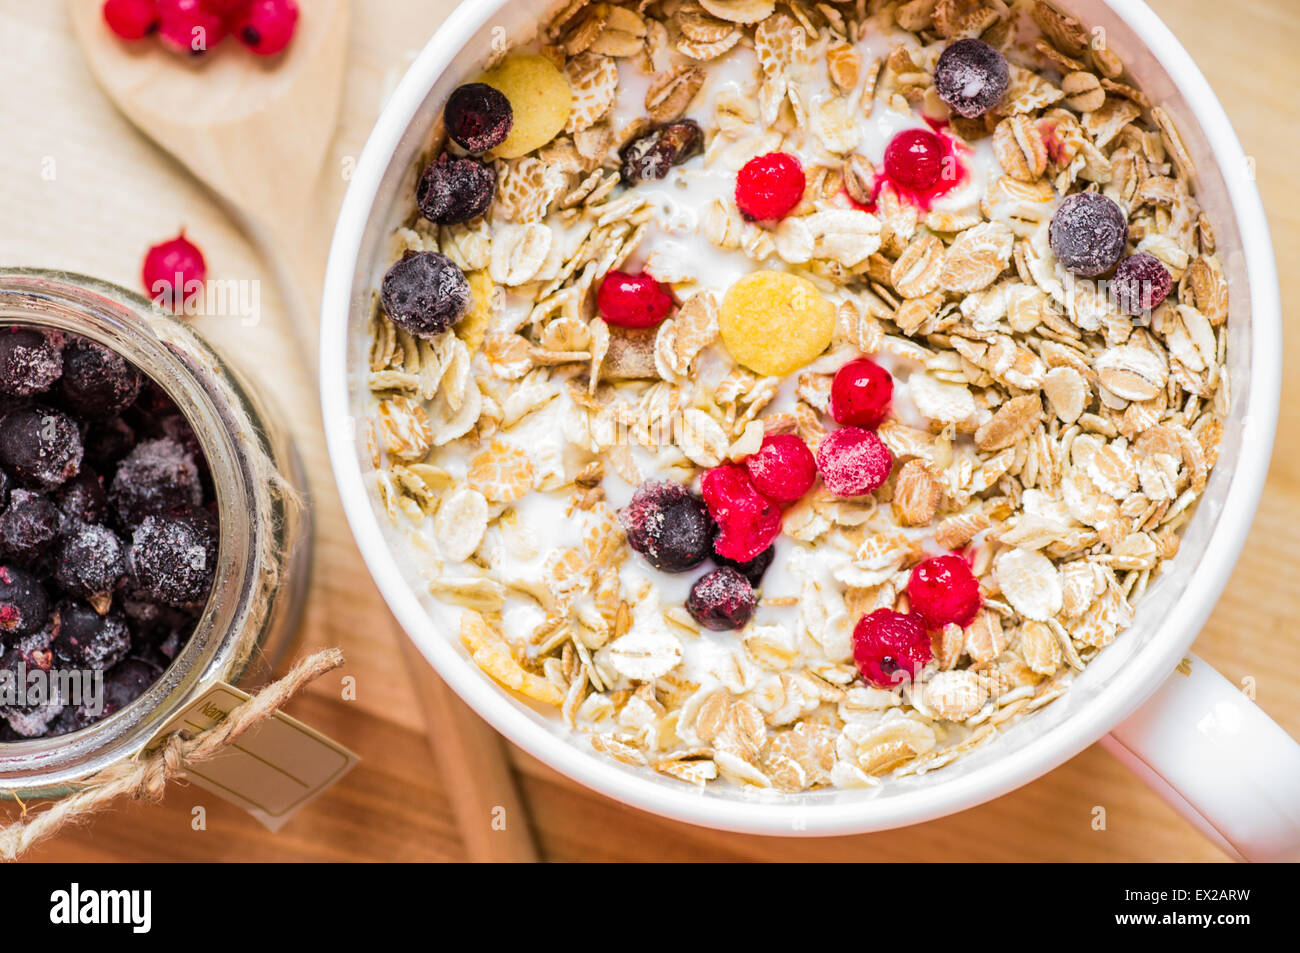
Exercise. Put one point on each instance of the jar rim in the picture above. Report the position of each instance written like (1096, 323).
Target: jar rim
(173, 357)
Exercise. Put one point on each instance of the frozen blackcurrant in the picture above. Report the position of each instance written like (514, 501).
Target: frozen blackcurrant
(96, 382)
(652, 155)
(89, 564)
(82, 499)
(753, 569)
(971, 77)
(668, 525)
(30, 712)
(172, 559)
(30, 361)
(40, 445)
(478, 117)
(24, 606)
(424, 293)
(1140, 284)
(28, 526)
(83, 638)
(108, 441)
(455, 190)
(1088, 234)
(158, 476)
(723, 599)
(124, 683)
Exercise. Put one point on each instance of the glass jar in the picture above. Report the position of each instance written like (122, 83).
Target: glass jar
(264, 528)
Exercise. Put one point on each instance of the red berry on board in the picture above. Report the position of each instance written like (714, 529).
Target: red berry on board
(890, 648)
(769, 186)
(853, 461)
(860, 394)
(914, 159)
(632, 301)
(171, 268)
(783, 469)
(131, 19)
(186, 26)
(747, 521)
(268, 25)
(943, 590)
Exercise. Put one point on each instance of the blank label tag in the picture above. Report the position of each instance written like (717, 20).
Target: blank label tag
(273, 769)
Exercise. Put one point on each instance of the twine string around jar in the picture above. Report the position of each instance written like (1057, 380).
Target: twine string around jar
(146, 777)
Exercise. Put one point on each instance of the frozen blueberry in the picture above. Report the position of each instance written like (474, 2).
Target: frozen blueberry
(1141, 282)
(1088, 234)
(156, 477)
(722, 599)
(424, 293)
(29, 524)
(6, 484)
(651, 156)
(172, 559)
(82, 638)
(455, 190)
(89, 564)
(40, 445)
(82, 499)
(108, 441)
(971, 77)
(96, 382)
(668, 525)
(24, 606)
(752, 570)
(30, 361)
(478, 117)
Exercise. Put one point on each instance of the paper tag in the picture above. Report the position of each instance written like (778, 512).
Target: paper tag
(274, 768)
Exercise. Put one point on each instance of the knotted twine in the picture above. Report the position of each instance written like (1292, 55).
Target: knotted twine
(146, 777)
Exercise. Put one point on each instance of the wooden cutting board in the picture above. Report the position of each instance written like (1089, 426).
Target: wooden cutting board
(83, 190)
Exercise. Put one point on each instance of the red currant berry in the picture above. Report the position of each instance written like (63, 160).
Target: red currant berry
(131, 19)
(783, 469)
(914, 159)
(860, 394)
(769, 186)
(853, 461)
(632, 301)
(890, 648)
(187, 26)
(268, 25)
(171, 268)
(228, 10)
(942, 590)
(747, 521)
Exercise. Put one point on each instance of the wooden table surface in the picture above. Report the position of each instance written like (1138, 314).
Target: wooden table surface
(81, 190)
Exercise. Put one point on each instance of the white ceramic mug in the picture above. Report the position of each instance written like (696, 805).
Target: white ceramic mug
(1197, 739)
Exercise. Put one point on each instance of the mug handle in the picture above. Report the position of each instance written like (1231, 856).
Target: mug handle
(1219, 761)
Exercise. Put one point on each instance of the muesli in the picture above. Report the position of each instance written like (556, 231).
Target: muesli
(791, 394)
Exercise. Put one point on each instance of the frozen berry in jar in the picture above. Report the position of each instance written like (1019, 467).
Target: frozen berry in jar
(30, 361)
(40, 445)
(172, 559)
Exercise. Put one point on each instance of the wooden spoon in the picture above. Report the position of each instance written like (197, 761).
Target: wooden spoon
(255, 131)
